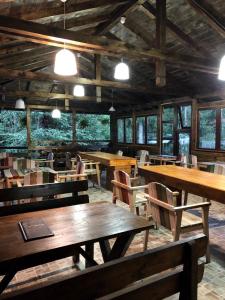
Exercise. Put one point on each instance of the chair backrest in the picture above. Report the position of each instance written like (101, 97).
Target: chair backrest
(189, 160)
(80, 167)
(121, 193)
(120, 153)
(179, 273)
(143, 155)
(50, 156)
(23, 163)
(47, 191)
(161, 215)
(6, 161)
(33, 178)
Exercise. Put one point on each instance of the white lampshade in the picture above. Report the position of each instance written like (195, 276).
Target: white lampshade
(112, 109)
(65, 63)
(56, 113)
(221, 75)
(20, 104)
(78, 90)
(122, 71)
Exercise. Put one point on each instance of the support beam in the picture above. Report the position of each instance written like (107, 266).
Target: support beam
(98, 76)
(183, 37)
(42, 34)
(210, 15)
(40, 76)
(160, 41)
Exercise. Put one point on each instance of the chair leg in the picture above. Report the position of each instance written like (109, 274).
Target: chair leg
(146, 240)
(137, 210)
(205, 213)
(114, 196)
(185, 197)
(98, 175)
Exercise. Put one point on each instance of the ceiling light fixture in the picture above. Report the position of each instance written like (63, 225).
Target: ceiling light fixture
(20, 104)
(221, 75)
(122, 71)
(65, 60)
(78, 90)
(112, 108)
(56, 113)
(123, 20)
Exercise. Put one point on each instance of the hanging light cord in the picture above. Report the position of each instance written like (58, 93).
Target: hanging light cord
(64, 13)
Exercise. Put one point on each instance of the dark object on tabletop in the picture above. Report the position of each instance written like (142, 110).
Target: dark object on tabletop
(33, 229)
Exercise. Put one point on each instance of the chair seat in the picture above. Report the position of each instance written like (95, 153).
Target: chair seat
(190, 220)
(141, 198)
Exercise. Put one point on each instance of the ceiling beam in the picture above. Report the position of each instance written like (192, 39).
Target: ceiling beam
(178, 32)
(160, 66)
(211, 16)
(40, 76)
(43, 34)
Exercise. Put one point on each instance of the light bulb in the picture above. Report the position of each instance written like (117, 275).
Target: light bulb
(65, 63)
(221, 75)
(122, 71)
(78, 90)
(56, 113)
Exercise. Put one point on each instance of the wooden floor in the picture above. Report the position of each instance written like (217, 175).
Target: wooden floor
(212, 286)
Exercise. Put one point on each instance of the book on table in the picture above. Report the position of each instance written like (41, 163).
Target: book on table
(33, 229)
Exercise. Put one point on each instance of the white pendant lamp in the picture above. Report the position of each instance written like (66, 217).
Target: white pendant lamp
(56, 113)
(65, 60)
(122, 71)
(221, 75)
(112, 109)
(20, 104)
(65, 63)
(79, 90)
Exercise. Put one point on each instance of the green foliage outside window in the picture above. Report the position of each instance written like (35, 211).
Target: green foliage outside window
(152, 130)
(207, 128)
(129, 130)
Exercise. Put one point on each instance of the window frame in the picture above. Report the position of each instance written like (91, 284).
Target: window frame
(124, 130)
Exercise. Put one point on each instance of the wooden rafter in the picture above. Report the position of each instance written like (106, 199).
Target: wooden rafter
(178, 32)
(211, 16)
(43, 34)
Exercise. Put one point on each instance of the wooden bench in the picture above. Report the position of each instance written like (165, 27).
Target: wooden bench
(153, 274)
(48, 192)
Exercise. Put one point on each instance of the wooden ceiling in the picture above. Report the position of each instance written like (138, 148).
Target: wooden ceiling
(173, 49)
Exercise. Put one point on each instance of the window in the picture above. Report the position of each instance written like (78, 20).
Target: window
(168, 130)
(152, 130)
(120, 130)
(46, 130)
(92, 127)
(128, 130)
(125, 130)
(13, 132)
(185, 116)
(222, 139)
(207, 128)
(140, 130)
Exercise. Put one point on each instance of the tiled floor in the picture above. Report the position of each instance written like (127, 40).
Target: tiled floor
(213, 283)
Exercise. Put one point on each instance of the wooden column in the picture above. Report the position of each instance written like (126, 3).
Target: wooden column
(67, 103)
(160, 41)
(74, 121)
(28, 128)
(194, 125)
(98, 77)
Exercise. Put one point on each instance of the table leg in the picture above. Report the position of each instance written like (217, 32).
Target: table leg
(6, 280)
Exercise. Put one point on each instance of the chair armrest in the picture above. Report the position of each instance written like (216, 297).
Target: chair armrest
(72, 176)
(65, 172)
(162, 204)
(129, 188)
(191, 206)
(92, 163)
(134, 178)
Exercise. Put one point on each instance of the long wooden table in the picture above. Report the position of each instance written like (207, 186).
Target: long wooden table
(204, 184)
(162, 159)
(111, 162)
(73, 227)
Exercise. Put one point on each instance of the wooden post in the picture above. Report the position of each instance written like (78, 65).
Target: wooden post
(98, 77)
(67, 104)
(28, 128)
(160, 41)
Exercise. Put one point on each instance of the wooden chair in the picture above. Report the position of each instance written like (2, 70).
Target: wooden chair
(120, 153)
(142, 160)
(176, 218)
(72, 175)
(22, 163)
(143, 275)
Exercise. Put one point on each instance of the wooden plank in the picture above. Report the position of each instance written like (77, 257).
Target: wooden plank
(42, 34)
(161, 41)
(98, 76)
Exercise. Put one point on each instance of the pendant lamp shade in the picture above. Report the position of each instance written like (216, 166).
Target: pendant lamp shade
(56, 113)
(221, 75)
(78, 90)
(112, 109)
(122, 71)
(65, 63)
(20, 104)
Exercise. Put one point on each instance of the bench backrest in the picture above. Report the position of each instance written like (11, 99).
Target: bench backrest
(120, 279)
(48, 192)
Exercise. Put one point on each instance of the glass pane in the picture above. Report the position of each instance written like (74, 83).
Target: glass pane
(167, 130)
(92, 127)
(46, 130)
(168, 114)
(152, 130)
(140, 130)
(129, 130)
(13, 132)
(222, 143)
(185, 111)
(120, 130)
(167, 147)
(207, 129)
(184, 143)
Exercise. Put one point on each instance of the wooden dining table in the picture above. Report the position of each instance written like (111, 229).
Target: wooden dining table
(201, 183)
(73, 227)
(162, 159)
(111, 162)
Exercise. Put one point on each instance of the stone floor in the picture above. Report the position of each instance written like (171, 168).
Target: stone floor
(213, 283)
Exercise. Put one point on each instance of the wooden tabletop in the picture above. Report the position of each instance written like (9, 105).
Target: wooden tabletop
(162, 157)
(72, 226)
(205, 184)
(20, 173)
(109, 159)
